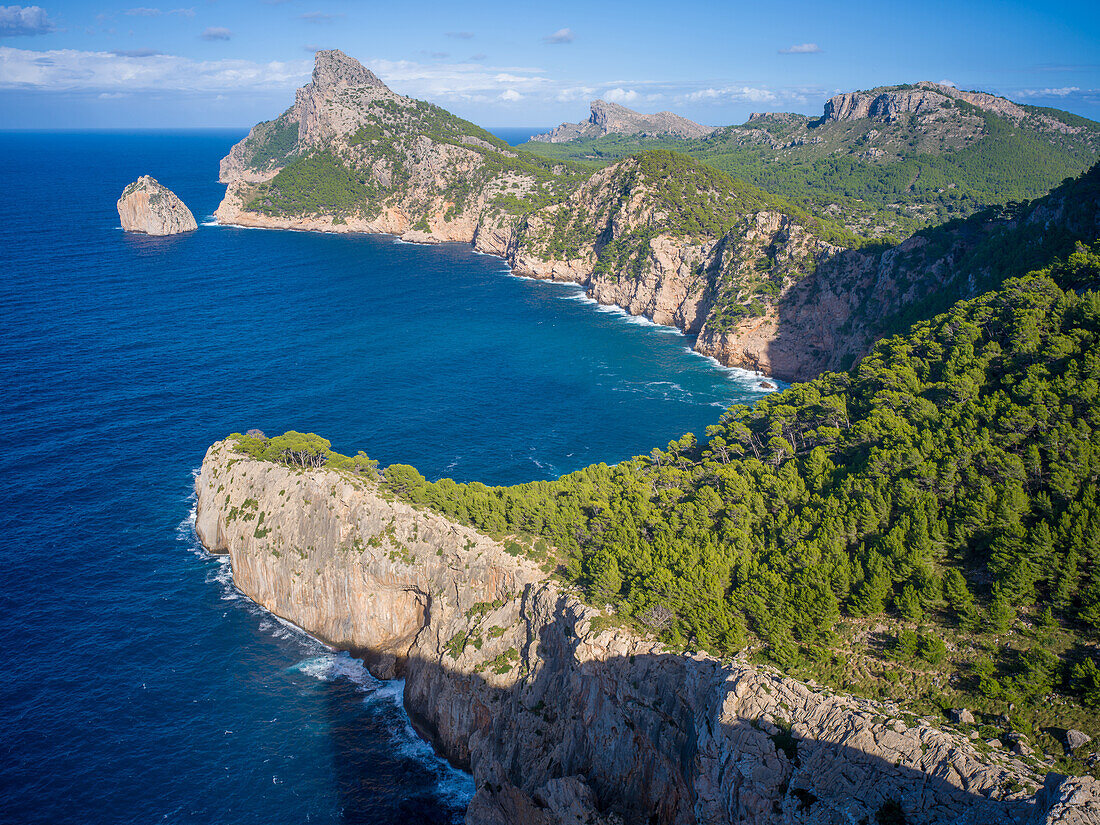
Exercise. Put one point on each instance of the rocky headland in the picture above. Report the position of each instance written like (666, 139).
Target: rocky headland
(757, 282)
(149, 207)
(614, 119)
(564, 718)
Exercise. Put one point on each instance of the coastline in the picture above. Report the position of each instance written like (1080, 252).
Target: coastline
(514, 270)
(612, 709)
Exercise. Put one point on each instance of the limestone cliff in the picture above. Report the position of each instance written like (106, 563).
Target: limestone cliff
(147, 206)
(614, 119)
(564, 720)
(758, 282)
(889, 104)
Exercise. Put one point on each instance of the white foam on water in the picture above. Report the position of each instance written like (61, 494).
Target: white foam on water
(330, 666)
(452, 787)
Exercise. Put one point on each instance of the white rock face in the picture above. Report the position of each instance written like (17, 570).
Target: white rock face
(147, 206)
(564, 722)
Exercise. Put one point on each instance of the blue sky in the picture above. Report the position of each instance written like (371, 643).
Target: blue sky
(81, 63)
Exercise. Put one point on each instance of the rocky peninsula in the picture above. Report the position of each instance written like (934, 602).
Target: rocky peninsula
(756, 281)
(564, 718)
(149, 207)
(609, 118)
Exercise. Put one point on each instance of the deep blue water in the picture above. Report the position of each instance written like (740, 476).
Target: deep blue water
(515, 135)
(136, 684)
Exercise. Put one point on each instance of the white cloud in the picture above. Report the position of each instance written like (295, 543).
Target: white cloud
(1063, 91)
(72, 70)
(24, 21)
(216, 33)
(571, 93)
(950, 83)
(459, 84)
(619, 95)
(318, 17)
(142, 11)
(801, 48)
(731, 94)
(560, 36)
(461, 35)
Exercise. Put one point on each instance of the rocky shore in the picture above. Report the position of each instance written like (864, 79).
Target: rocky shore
(561, 716)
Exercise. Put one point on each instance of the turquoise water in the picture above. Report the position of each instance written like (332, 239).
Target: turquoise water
(138, 685)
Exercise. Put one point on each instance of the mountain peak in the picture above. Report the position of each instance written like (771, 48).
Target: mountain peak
(333, 69)
(614, 118)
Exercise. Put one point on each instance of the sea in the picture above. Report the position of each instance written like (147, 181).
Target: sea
(137, 685)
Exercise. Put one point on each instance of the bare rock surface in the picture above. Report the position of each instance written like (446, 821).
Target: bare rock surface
(148, 206)
(563, 720)
(614, 119)
(1076, 739)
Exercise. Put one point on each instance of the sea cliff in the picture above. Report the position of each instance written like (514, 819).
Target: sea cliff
(562, 717)
(754, 279)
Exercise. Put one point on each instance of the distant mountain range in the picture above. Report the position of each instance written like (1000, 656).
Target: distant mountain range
(613, 119)
(883, 162)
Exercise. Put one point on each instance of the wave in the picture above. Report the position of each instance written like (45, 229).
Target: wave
(452, 787)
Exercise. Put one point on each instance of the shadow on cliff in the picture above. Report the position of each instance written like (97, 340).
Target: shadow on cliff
(373, 766)
(643, 733)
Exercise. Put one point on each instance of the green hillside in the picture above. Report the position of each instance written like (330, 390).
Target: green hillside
(880, 179)
(924, 528)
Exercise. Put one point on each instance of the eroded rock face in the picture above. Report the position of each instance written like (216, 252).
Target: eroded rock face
(613, 119)
(561, 721)
(147, 206)
(923, 98)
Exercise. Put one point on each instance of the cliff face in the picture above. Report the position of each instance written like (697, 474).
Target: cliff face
(656, 234)
(890, 104)
(147, 206)
(562, 721)
(613, 119)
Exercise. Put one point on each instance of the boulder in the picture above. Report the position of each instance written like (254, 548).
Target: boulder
(1076, 739)
(961, 716)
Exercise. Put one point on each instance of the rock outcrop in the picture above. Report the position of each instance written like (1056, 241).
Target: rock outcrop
(889, 104)
(563, 719)
(614, 119)
(149, 207)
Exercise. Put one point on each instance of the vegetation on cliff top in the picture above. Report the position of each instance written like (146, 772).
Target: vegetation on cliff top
(948, 486)
(878, 179)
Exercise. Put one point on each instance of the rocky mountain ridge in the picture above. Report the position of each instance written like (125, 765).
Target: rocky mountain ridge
(609, 118)
(563, 719)
(890, 103)
(148, 207)
(888, 161)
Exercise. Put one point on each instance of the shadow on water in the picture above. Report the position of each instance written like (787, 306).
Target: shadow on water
(382, 776)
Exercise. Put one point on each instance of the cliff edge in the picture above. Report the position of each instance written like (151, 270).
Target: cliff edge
(149, 207)
(562, 718)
